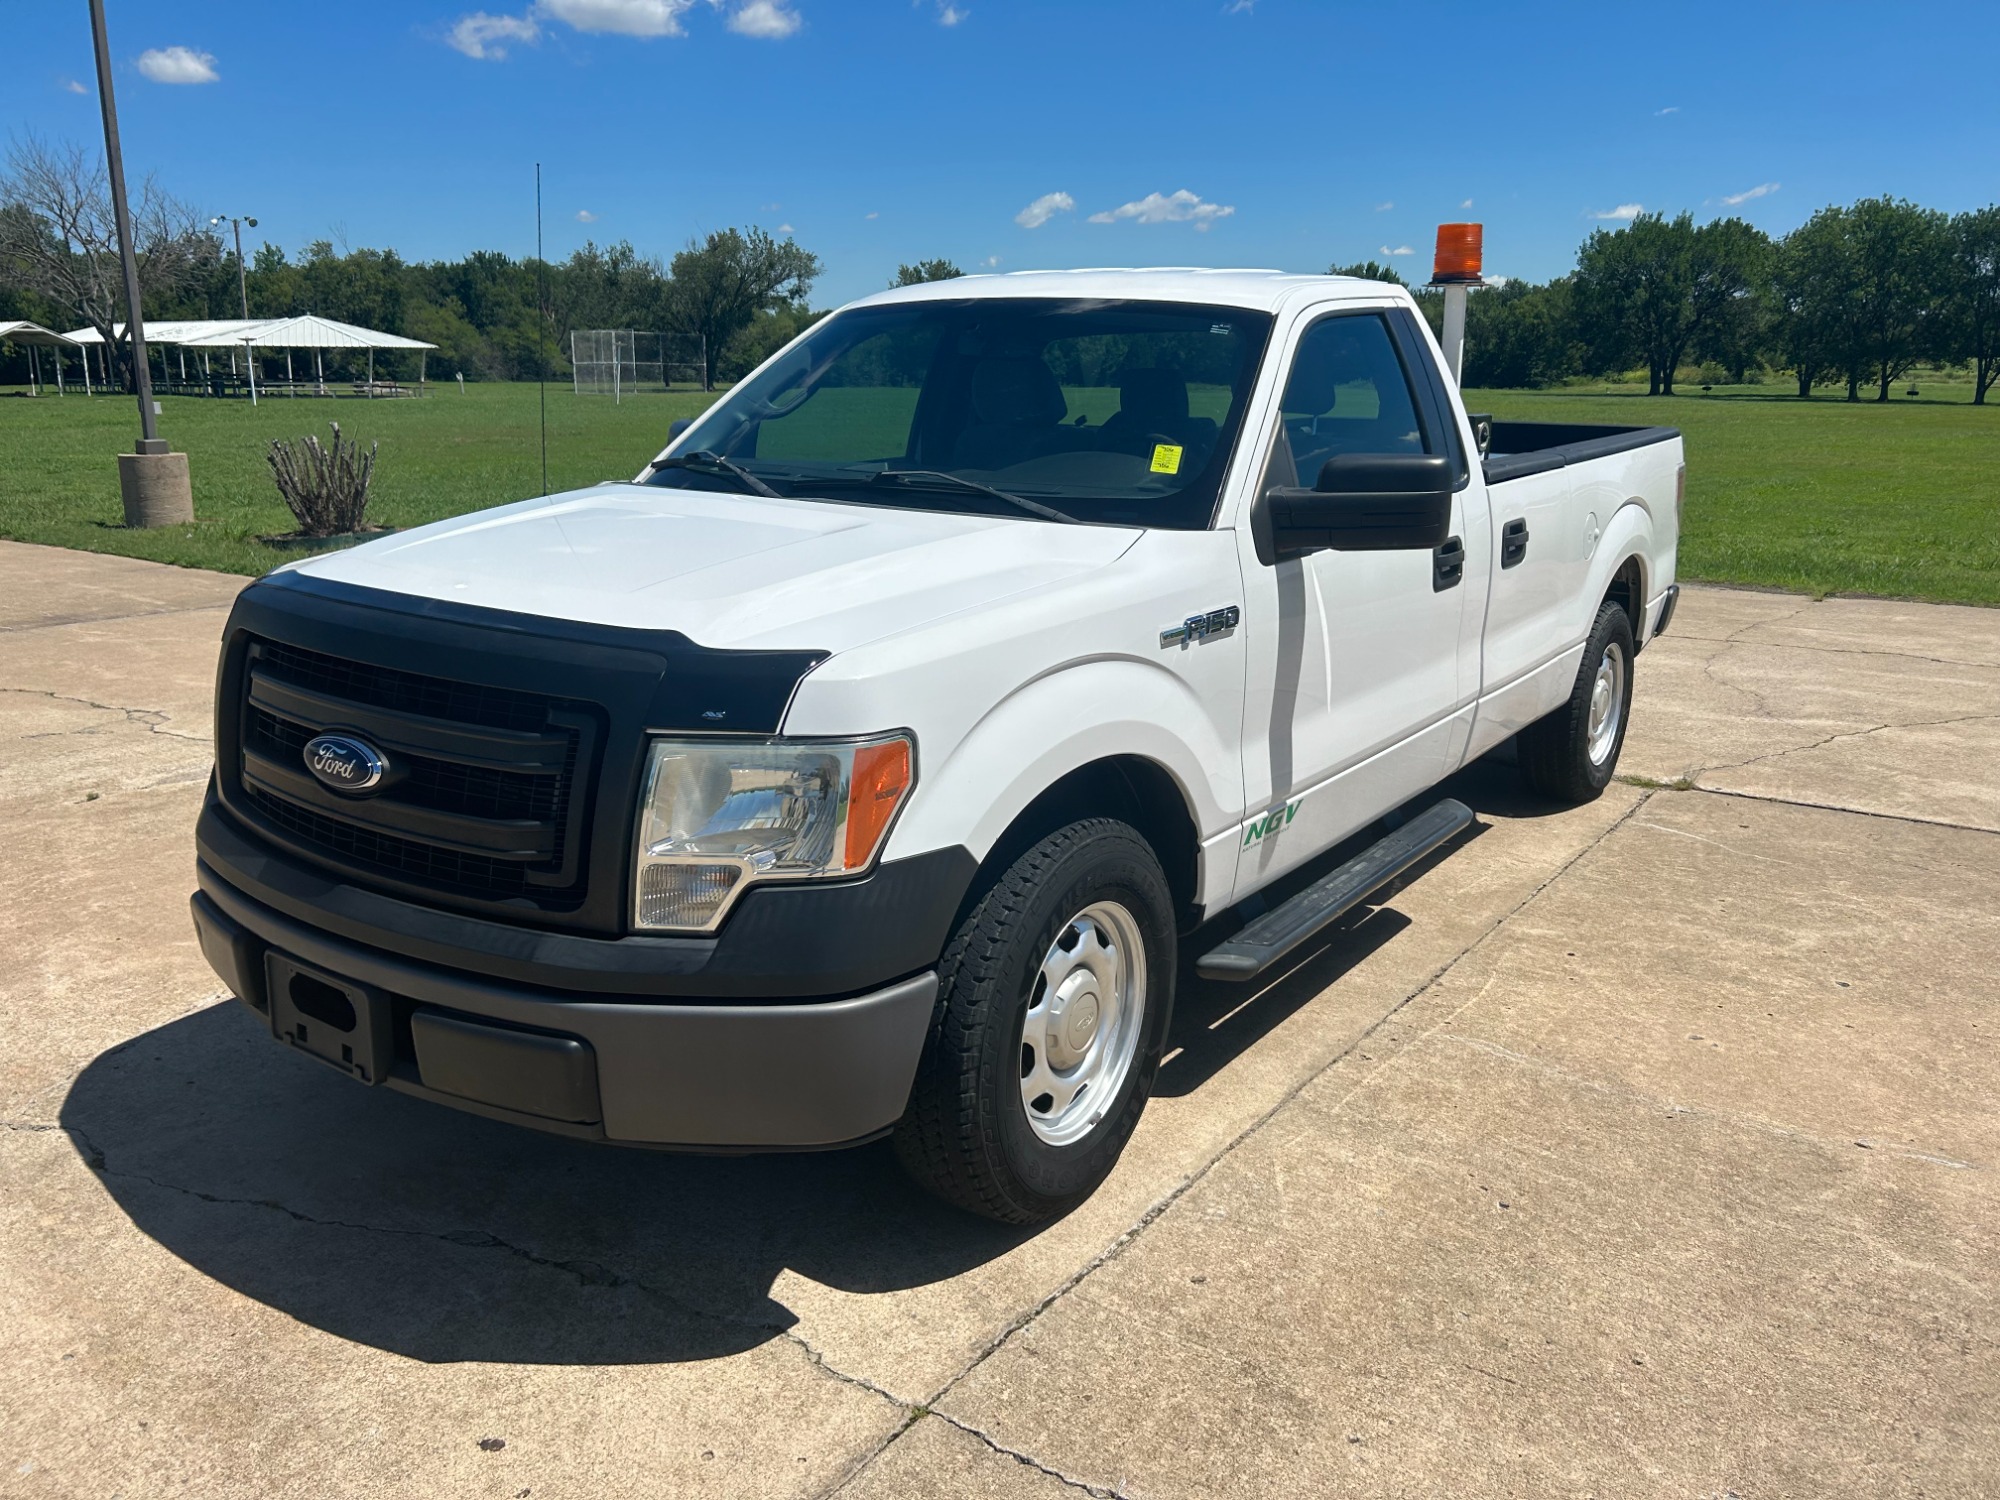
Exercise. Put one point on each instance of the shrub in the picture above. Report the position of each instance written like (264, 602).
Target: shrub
(326, 488)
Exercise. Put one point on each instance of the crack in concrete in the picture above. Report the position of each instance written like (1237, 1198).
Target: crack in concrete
(144, 614)
(151, 719)
(1858, 812)
(1102, 1492)
(917, 1413)
(1741, 630)
(587, 1273)
(1844, 734)
(1942, 661)
(1154, 1212)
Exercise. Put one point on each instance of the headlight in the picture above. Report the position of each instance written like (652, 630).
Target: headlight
(717, 817)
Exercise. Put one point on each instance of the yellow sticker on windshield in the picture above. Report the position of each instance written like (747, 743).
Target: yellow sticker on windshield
(1166, 458)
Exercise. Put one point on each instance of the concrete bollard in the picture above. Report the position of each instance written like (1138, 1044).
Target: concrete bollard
(155, 488)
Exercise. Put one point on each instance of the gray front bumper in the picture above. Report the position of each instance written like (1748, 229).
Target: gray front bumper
(701, 1076)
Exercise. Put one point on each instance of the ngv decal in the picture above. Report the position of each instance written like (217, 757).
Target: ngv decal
(1272, 822)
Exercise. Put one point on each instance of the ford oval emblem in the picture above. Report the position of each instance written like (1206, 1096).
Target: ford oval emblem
(345, 763)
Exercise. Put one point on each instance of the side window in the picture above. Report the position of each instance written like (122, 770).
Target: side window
(1347, 393)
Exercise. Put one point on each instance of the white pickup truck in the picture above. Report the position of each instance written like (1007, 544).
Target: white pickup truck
(863, 767)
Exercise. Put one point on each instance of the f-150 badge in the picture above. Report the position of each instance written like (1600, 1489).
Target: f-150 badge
(1200, 627)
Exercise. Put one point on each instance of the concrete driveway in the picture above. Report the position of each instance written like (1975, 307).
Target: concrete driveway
(1646, 1148)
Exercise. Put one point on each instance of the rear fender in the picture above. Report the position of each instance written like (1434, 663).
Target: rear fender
(1628, 535)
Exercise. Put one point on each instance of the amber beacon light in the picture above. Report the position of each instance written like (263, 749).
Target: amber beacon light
(1456, 270)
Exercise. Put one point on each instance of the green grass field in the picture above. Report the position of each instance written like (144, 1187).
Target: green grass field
(1820, 496)
(1817, 496)
(440, 456)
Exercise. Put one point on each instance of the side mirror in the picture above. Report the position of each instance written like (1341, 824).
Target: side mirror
(1364, 502)
(676, 427)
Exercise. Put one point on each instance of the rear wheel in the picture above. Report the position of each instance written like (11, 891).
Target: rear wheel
(1052, 1013)
(1571, 754)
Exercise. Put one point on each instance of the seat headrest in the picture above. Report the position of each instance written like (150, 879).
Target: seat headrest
(1016, 388)
(1316, 379)
(1153, 395)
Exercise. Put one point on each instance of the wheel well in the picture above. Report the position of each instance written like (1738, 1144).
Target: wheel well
(1127, 787)
(1628, 591)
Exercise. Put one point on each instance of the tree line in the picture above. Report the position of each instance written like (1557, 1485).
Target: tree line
(1854, 298)
(723, 302)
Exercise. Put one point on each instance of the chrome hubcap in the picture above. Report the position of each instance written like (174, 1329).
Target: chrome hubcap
(1607, 704)
(1081, 1030)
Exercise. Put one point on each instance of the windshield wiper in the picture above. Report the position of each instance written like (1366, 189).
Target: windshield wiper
(703, 462)
(939, 478)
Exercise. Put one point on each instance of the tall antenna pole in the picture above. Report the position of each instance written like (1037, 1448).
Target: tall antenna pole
(114, 161)
(542, 342)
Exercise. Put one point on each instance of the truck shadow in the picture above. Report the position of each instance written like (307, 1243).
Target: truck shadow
(445, 1237)
(1216, 1022)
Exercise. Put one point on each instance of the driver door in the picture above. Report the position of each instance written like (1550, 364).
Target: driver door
(1363, 665)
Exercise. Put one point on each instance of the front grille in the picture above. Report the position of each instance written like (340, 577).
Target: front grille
(420, 864)
(485, 790)
(407, 692)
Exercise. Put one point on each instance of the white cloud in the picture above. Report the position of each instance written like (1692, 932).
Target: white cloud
(618, 17)
(585, 216)
(1671, 109)
(178, 65)
(1466, 204)
(74, 87)
(1181, 207)
(1624, 211)
(990, 262)
(1043, 209)
(1383, 208)
(785, 229)
(1761, 190)
(485, 37)
(873, 214)
(769, 20)
(949, 14)
(1239, 7)
(1398, 250)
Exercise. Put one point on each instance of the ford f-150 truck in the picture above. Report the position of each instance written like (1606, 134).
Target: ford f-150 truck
(860, 768)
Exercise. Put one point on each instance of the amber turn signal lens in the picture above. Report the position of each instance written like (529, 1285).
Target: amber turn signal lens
(881, 776)
(1459, 251)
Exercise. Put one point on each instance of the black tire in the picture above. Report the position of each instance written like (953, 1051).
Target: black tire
(1556, 751)
(966, 1135)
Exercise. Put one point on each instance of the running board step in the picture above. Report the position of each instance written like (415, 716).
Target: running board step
(1283, 928)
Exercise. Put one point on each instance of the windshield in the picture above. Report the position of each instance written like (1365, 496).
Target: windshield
(1121, 413)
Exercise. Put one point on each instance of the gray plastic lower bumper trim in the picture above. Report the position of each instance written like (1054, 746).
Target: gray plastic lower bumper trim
(713, 1077)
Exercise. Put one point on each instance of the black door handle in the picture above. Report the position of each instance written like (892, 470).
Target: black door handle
(1447, 565)
(1513, 541)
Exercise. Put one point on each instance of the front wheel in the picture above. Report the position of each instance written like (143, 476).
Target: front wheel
(1571, 754)
(1052, 1013)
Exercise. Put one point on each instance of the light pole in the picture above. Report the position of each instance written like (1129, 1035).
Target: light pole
(152, 481)
(114, 160)
(242, 279)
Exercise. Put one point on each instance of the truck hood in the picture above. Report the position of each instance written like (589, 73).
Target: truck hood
(726, 570)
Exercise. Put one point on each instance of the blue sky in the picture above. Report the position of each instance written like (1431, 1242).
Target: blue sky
(1150, 132)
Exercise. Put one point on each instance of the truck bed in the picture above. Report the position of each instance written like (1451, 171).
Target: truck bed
(1519, 449)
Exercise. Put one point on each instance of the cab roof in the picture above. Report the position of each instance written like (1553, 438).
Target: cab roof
(1264, 291)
